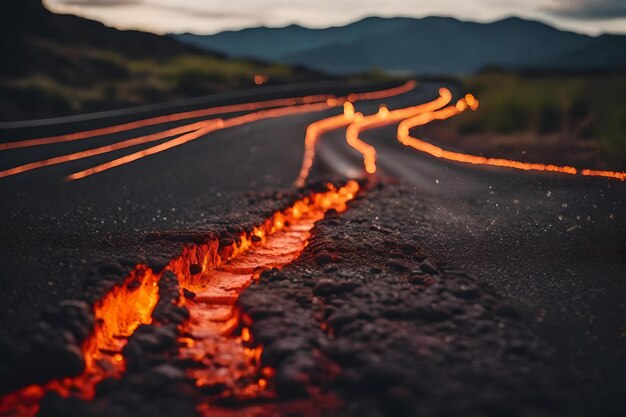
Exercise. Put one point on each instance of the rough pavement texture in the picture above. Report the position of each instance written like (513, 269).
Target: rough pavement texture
(367, 313)
(44, 343)
(152, 385)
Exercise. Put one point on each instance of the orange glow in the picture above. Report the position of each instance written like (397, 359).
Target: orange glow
(385, 117)
(608, 174)
(109, 148)
(218, 125)
(245, 334)
(330, 101)
(379, 95)
(117, 316)
(211, 111)
(469, 101)
(260, 79)
(315, 130)
(213, 317)
(229, 361)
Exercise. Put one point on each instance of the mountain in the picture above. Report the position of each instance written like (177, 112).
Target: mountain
(431, 45)
(606, 51)
(55, 64)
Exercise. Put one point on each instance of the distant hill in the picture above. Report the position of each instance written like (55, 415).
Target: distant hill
(431, 45)
(60, 64)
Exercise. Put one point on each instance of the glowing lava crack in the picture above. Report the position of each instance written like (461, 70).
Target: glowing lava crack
(211, 276)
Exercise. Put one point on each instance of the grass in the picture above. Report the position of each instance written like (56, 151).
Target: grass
(92, 80)
(580, 110)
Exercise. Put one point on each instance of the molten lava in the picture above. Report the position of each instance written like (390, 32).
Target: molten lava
(227, 365)
(260, 79)
(224, 271)
(117, 316)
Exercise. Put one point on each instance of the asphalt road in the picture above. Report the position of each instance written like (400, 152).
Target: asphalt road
(553, 242)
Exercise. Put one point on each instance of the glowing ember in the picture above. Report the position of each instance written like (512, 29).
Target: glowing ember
(117, 315)
(225, 272)
(231, 365)
(260, 79)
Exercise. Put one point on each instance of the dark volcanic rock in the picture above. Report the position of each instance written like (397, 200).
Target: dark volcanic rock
(395, 332)
(323, 258)
(195, 269)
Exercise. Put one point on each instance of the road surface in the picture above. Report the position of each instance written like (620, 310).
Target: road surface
(552, 242)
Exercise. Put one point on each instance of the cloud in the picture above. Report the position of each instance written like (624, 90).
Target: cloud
(587, 9)
(190, 10)
(211, 16)
(198, 12)
(98, 3)
(95, 3)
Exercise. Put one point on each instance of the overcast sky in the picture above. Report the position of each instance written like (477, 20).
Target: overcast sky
(211, 16)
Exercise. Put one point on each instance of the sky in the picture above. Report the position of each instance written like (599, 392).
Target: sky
(212, 16)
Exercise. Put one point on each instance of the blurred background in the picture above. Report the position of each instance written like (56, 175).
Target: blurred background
(550, 74)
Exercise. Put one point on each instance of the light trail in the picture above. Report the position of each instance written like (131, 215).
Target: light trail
(608, 174)
(315, 130)
(403, 135)
(222, 124)
(108, 148)
(211, 111)
(87, 134)
(385, 117)
(332, 101)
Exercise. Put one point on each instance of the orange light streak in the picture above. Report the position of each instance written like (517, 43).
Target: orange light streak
(378, 95)
(109, 148)
(260, 79)
(211, 111)
(240, 120)
(315, 130)
(469, 101)
(385, 117)
(608, 174)
(331, 102)
(219, 125)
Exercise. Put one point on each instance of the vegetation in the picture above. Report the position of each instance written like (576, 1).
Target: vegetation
(120, 81)
(576, 110)
(60, 64)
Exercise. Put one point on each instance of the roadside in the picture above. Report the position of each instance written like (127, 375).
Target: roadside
(566, 119)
